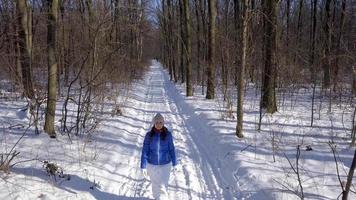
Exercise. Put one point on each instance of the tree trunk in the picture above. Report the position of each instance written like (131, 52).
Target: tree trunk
(182, 36)
(327, 41)
(175, 44)
(224, 51)
(287, 34)
(353, 129)
(170, 39)
(188, 48)
(338, 45)
(349, 178)
(204, 42)
(210, 93)
(52, 67)
(197, 16)
(17, 51)
(25, 47)
(237, 27)
(167, 19)
(312, 54)
(240, 77)
(299, 28)
(269, 75)
(354, 81)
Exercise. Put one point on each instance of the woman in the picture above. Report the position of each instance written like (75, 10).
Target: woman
(157, 154)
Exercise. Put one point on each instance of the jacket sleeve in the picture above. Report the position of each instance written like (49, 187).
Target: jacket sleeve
(145, 151)
(172, 151)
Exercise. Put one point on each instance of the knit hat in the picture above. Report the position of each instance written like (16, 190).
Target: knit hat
(157, 118)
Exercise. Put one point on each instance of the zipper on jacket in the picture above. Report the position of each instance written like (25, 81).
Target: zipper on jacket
(159, 144)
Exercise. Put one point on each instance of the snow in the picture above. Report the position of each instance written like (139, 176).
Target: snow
(212, 162)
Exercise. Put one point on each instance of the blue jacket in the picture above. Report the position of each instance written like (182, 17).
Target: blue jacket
(157, 151)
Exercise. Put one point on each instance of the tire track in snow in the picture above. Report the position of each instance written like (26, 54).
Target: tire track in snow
(194, 163)
(143, 185)
(190, 169)
(196, 133)
(197, 176)
(201, 179)
(135, 185)
(157, 101)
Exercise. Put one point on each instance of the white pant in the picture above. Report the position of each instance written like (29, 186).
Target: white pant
(159, 176)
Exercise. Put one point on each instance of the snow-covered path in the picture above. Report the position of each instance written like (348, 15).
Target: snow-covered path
(212, 162)
(107, 165)
(197, 177)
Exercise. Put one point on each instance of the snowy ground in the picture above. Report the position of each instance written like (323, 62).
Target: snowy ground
(213, 163)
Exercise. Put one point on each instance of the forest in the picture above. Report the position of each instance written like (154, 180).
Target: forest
(71, 65)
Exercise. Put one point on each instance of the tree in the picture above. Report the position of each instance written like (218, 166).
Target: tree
(188, 48)
(210, 93)
(52, 6)
(312, 54)
(269, 44)
(299, 28)
(241, 72)
(182, 33)
(327, 41)
(350, 175)
(354, 81)
(338, 42)
(25, 45)
(198, 33)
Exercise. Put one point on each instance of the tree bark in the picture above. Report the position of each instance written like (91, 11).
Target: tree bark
(312, 54)
(224, 51)
(25, 47)
(287, 34)
(17, 51)
(182, 33)
(338, 45)
(354, 81)
(202, 9)
(188, 48)
(327, 41)
(170, 39)
(237, 27)
(167, 19)
(299, 28)
(269, 40)
(353, 129)
(240, 77)
(52, 67)
(197, 16)
(345, 193)
(210, 93)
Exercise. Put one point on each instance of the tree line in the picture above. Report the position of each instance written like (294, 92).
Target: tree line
(274, 45)
(74, 50)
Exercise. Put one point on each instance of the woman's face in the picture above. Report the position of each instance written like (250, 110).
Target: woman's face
(159, 125)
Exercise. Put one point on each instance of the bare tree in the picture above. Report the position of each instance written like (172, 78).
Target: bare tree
(188, 48)
(52, 6)
(269, 41)
(353, 129)
(349, 178)
(354, 81)
(327, 46)
(210, 93)
(198, 35)
(338, 43)
(241, 73)
(312, 53)
(25, 46)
